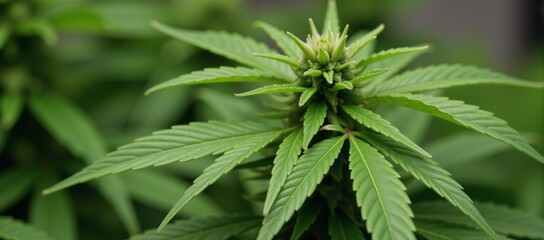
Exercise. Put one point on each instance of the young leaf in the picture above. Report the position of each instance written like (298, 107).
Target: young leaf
(282, 40)
(362, 42)
(306, 216)
(331, 22)
(181, 143)
(313, 119)
(378, 124)
(306, 95)
(468, 116)
(442, 231)
(221, 166)
(444, 76)
(390, 53)
(301, 183)
(14, 229)
(285, 160)
(380, 194)
(229, 45)
(368, 75)
(212, 228)
(341, 228)
(284, 88)
(218, 75)
(432, 175)
(14, 183)
(11, 106)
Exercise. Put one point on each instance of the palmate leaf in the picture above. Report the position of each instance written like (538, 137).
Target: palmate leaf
(331, 22)
(342, 228)
(443, 76)
(468, 116)
(390, 53)
(301, 183)
(282, 40)
(504, 220)
(380, 194)
(306, 216)
(181, 143)
(13, 229)
(313, 119)
(377, 123)
(441, 231)
(221, 166)
(280, 88)
(219, 75)
(11, 106)
(212, 228)
(285, 160)
(230, 45)
(432, 175)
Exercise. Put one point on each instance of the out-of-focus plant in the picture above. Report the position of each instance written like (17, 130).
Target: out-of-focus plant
(325, 94)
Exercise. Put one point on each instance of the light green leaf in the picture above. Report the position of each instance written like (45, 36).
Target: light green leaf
(179, 144)
(306, 95)
(432, 175)
(313, 119)
(503, 219)
(13, 229)
(380, 194)
(301, 183)
(233, 46)
(362, 42)
(161, 190)
(221, 166)
(285, 160)
(468, 116)
(444, 76)
(341, 228)
(331, 22)
(218, 75)
(377, 123)
(282, 40)
(283, 88)
(368, 75)
(306, 216)
(84, 20)
(4, 34)
(212, 228)
(14, 184)
(11, 106)
(390, 53)
(442, 231)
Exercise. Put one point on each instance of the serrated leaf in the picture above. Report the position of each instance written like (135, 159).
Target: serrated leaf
(218, 75)
(468, 116)
(362, 42)
(306, 216)
(432, 175)
(377, 123)
(331, 22)
(444, 76)
(221, 166)
(341, 228)
(283, 88)
(181, 143)
(301, 183)
(14, 184)
(442, 231)
(503, 219)
(380, 194)
(390, 53)
(306, 95)
(313, 119)
(233, 46)
(11, 106)
(212, 228)
(286, 158)
(282, 40)
(17, 230)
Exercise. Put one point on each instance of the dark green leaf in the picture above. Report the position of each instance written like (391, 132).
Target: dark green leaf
(14, 184)
(13, 229)
(306, 216)
(341, 228)
(11, 106)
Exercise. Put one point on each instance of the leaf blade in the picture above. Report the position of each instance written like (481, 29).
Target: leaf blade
(282, 40)
(331, 22)
(270, 89)
(11, 106)
(15, 229)
(313, 119)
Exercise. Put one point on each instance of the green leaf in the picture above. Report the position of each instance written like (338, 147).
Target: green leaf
(286, 158)
(442, 231)
(212, 228)
(313, 119)
(390, 53)
(4, 34)
(161, 190)
(505, 220)
(414, 129)
(306, 216)
(39, 27)
(306, 95)
(11, 106)
(468, 116)
(378, 124)
(179, 144)
(283, 88)
(13, 229)
(331, 22)
(84, 20)
(282, 40)
(301, 183)
(221, 166)
(342, 228)
(218, 75)
(356, 47)
(14, 184)
(368, 75)
(444, 76)
(380, 194)
(114, 192)
(432, 175)
(233, 46)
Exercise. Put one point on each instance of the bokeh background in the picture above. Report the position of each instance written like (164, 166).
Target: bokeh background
(90, 62)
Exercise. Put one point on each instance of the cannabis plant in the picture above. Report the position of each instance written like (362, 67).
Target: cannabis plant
(329, 158)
